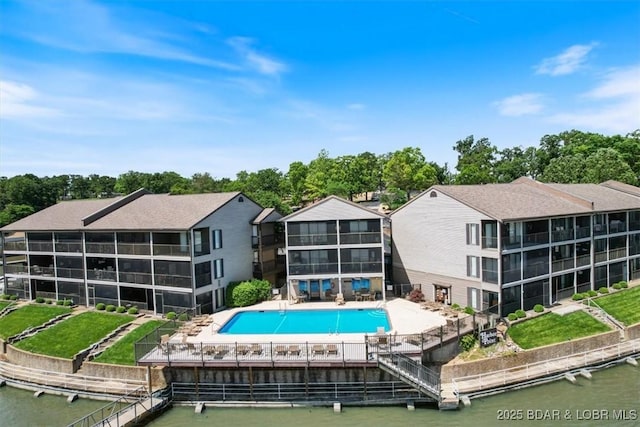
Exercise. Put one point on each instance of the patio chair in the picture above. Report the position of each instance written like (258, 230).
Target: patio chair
(317, 349)
(220, 351)
(294, 350)
(242, 349)
(280, 350)
(340, 299)
(256, 349)
(332, 349)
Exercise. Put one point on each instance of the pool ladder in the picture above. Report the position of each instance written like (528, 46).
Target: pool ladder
(282, 308)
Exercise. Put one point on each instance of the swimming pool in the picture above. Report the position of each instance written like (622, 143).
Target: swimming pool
(343, 321)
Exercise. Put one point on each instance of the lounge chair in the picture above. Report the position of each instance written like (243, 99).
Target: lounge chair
(242, 349)
(317, 349)
(281, 350)
(256, 349)
(294, 350)
(332, 349)
(220, 351)
(340, 299)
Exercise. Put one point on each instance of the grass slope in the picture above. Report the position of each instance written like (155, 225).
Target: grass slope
(623, 306)
(552, 328)
(27, 317)
(4, 304)
(122, 351)
(74, 334)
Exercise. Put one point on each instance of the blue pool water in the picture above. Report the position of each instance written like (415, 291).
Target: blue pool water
(343, 321)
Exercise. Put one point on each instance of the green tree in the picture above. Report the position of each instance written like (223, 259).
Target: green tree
(12, 213)
(296, 178)
(514, 163)
(475, 161)
(131, 181)
(407, 170)
(606, 164)
(565, 170)
(79, 187)
(319, 174)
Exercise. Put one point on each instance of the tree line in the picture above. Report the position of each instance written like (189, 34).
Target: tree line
(568, 157)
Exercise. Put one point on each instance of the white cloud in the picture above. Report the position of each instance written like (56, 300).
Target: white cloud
(260, 62)
(17, 101)
(520, 105)
(612, 106)
(566, 62)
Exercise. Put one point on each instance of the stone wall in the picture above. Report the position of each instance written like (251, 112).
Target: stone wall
(39, 361)
(633, 331)
(135, 373)
(457, 370)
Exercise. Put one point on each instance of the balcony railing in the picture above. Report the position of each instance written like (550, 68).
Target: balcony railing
(139, 278)
(617, 227)
(171, 250)
(601, 256)
(634, 225)
(134, 248)
(42, 271)
(172, 280)
(361, 267)
(562, 264)
(69, 246)
(489, 242)
(511, 242)
(72, 273)
(583, 232)
(535, 270)
(16, 269)
(617, 253)
(324, 268)
(15, 246)
(562, 235)
(313, 239)
(41, 245)
(582, 260)
(359, 238)
(490, 276)
(100, 248)
(202, 279)
(511, 275)
(534, 239)
(107, 275)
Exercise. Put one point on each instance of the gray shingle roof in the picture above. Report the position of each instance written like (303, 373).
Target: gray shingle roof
(526, 198)
(331, 208)
(147, 212)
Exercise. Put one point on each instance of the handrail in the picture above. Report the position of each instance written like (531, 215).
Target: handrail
(605, 314)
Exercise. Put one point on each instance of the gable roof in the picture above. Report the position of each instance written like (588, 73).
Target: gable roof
(267, 215)
(143, 212)
(332, 208)
(526, 198)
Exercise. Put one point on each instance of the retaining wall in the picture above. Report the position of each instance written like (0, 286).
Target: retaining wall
(633, 332)
(463, 369)
(39, 361)
(136, 373)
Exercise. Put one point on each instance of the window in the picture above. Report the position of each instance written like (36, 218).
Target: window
(473, 231)
(217, 239)
(218, 268)
(473, 266)
(201, 241)
(490, 270)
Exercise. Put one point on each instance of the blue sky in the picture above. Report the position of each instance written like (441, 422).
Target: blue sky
(221, 86)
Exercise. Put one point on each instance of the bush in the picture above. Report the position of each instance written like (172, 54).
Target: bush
(416, 295)
(244, 294)
(68, 303)
(60, 302)
(133, 310)
(48, 301)
(264, 289)
(623, 284)
(183, 317)
(538, 308)
(13, 297)
(171, 315)
(100, 306)
(521, 314)
(512, 317)
(577, 297)
(467, 342)
(111, 308)
(603, 290)
(39, 300)
(617, 286)
(120, 309)
(469, 310)
(4, 296)
(456, 306)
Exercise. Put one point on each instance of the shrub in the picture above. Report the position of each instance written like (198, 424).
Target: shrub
(60, 302)
(455, 306)
(521, 314)
(183, 317)
(538, 308)
(100, 306)
(603, 290)
(4, 296)
(171, 315)
(39, 300)
(13, 297)
(467, 342)
(68, 303)
(264, 289)
(416, 295)
(244, 294)
(512, 317)
(623, 284)
(469, 310)
(133, 310)
(617, 286)
(577, 297)
(120, 309)
(48, 301)
(111, 308)
(592, 293)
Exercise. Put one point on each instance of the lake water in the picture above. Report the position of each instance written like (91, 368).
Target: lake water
(606, 400)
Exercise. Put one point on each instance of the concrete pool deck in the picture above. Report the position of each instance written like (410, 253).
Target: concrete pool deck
(405, 318)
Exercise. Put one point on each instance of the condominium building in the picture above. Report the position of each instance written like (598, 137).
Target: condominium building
(158, 252)
(503, 247)
(336, 247)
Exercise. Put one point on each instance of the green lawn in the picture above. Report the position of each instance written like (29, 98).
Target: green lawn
(4, 304)
(122, 351)
(623, 306)
(27, 317)
(74, 334)
(552, 328)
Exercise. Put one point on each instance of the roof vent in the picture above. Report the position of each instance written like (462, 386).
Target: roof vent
(433, 194)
